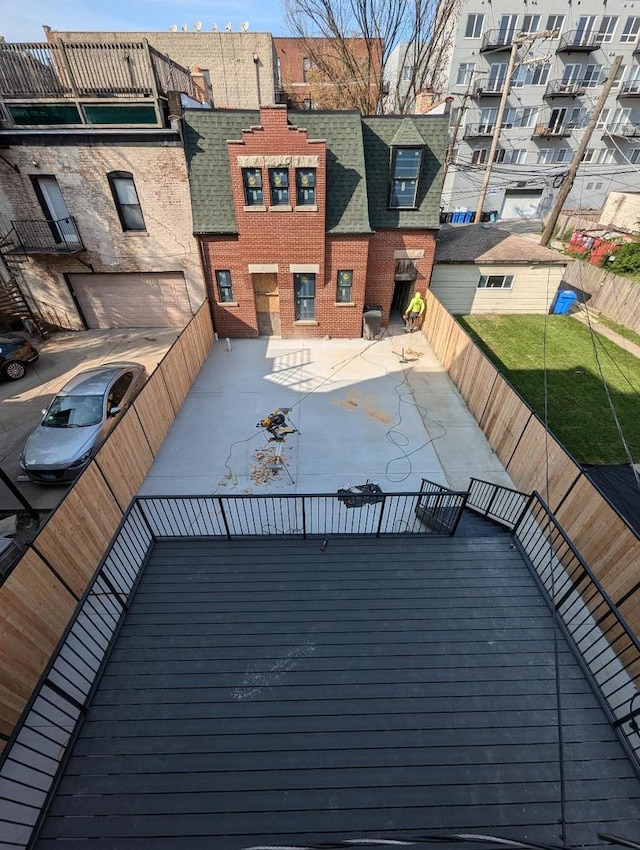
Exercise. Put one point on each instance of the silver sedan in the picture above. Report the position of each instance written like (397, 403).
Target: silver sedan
(79, 420)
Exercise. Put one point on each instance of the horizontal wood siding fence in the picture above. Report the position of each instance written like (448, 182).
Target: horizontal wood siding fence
(40, 595)
(522, 444)
(615, 296)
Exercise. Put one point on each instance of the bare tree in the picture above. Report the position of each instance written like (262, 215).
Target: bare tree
(350, 43)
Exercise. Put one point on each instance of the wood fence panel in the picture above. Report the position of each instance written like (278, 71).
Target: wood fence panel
(125, 459)
(200, 336)
(504, 419)
(34, 611)
(477, 382)
(155, 411)
(176, 376)
(77, 535)
(536, 452)
(613, 295)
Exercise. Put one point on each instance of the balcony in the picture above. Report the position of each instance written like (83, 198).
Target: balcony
(625, 130)
(489, 88)
(579, 41)
(497, 40)
(78, 84)
(630, 89)
(474, 131)
(560, 88)
(51, 236)
(553, 131)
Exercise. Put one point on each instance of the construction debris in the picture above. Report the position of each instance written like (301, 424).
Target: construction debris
(269, 464)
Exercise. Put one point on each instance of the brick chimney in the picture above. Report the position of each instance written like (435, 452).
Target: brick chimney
(200, 85)
(273, 117)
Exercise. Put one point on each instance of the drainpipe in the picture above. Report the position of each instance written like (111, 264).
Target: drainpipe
(256, 62)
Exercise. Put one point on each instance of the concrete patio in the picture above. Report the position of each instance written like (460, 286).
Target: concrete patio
(382, 411)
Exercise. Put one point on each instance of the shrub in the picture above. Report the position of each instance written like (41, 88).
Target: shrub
(626, 260)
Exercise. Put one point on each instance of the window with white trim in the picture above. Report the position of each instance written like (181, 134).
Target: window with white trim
(545, 156)
(474, 26)
(617, 80)
(530, 24)
(634, 156)
(563, 154)
(601, 123)
(479, 156)
(592, 76)
(517, 156)
(605, 156)
(588, 155)
(630, 31)
(496, 281)
(223, 281)
(465, 73)
(554, 24)
(607, 28)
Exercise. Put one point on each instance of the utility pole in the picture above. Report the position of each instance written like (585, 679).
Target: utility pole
(517, 41)
(456, 126)
(567, 183)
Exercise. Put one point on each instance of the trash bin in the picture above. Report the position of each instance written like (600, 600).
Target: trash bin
(371, 321)
(563, 302)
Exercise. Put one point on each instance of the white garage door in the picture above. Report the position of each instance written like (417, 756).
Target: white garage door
(522, 204)
(146, 300)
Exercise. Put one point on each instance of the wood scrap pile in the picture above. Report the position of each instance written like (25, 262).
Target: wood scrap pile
(268, 465)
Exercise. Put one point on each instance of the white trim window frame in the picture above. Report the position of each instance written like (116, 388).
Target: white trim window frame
(496, 281)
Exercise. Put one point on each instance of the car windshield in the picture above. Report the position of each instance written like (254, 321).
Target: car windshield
(74, 411)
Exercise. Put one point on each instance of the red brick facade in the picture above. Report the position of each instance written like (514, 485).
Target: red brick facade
(277, 240)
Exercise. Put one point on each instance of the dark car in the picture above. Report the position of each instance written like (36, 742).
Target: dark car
(15, 353)
(79, 420)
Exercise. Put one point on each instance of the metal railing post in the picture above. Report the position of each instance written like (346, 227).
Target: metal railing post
(224, 518)
(304, 520)
(384, 503)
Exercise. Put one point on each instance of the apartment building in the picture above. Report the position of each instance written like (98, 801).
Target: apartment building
(552, 93)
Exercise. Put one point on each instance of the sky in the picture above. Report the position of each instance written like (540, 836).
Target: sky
(22, 20)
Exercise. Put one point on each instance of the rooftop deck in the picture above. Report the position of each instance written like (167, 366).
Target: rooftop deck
(271, 691)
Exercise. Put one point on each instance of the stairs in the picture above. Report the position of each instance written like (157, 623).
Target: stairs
(474, 524)
(13, 305)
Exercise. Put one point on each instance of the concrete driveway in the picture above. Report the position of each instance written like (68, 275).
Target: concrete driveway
(384, 411)
(61, 357)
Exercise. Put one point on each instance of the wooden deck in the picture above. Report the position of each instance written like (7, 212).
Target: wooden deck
(272, 693)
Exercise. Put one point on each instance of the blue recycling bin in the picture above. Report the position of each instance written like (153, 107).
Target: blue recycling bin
(563, 302)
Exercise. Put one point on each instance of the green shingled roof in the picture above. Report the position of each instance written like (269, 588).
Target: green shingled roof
(358, 159)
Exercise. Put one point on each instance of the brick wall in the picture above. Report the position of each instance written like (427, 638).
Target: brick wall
(227, 56)
(81, 170)
(385, 244)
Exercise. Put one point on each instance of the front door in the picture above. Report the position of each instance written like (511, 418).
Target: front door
(55, 209)
(265, 288)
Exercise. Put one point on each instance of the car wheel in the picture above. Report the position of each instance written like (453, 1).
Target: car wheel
(14, 370)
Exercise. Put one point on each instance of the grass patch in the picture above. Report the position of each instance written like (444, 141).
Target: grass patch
(632, 336)
(578, 409)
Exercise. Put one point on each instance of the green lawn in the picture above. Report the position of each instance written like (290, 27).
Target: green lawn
(632, 336)
(579, 413)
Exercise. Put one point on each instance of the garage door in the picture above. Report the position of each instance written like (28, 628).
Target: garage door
(153, 300)
(522, 204)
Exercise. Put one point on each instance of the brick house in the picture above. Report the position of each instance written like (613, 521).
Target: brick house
(303, 218)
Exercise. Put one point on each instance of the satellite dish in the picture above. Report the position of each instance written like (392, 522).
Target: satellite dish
(197, 26)
(185, 27)
(173, 28)
(244, 26)
(227, 27)
(214, 27)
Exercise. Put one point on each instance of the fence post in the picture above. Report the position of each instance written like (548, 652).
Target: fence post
(384, 503)
(224, 518)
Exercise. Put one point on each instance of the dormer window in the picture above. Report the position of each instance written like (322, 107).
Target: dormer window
(252, 181)
(405, 176)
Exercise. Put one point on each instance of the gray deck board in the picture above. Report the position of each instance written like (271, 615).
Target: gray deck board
(268, 692)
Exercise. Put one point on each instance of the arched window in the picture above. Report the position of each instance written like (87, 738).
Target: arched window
(126, 200)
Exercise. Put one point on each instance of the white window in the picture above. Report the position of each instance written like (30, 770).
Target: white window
(487, 120)
(584, 30)
(632, 84)
(465, 73)
(607, 28)
(619, 118)
(605, 156)
(496, 281)
(507, 29)
(545, 156)
(592, 76)
(554, 24)
(539, 74)
(479, 157)
(563, 155)
(588, 155)
(517, 156)
(530, 24)
(474, 26)
(528, 116)
(602, 120)
(497, 77)
(619, 77)
(630, 31)
(635, 155)
(571, 74)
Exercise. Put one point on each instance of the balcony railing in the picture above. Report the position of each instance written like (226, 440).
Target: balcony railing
(580, 42)
(499, 39)
(628, 131)
(489, 88)
(474, 130)
(560, 88)
(553, 131)
(69, 70)
(51, 236)
(630, 89)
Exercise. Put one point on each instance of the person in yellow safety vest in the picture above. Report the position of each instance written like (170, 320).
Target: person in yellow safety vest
(414, 311)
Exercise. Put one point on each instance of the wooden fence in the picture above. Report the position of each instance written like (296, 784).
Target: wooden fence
(536, 461)
(40, 595)
(613, 295)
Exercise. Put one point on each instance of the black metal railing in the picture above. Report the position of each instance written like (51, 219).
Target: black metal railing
(68, 69)
(630, 89)
(433, 510)
(560, 88)
(501, 504)
(472, 130)
(500, 39)
(33, 756)
(581, 41)
(489, 88)
(49, 236)
(623, 129)
(604, 643)
(553, 131)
